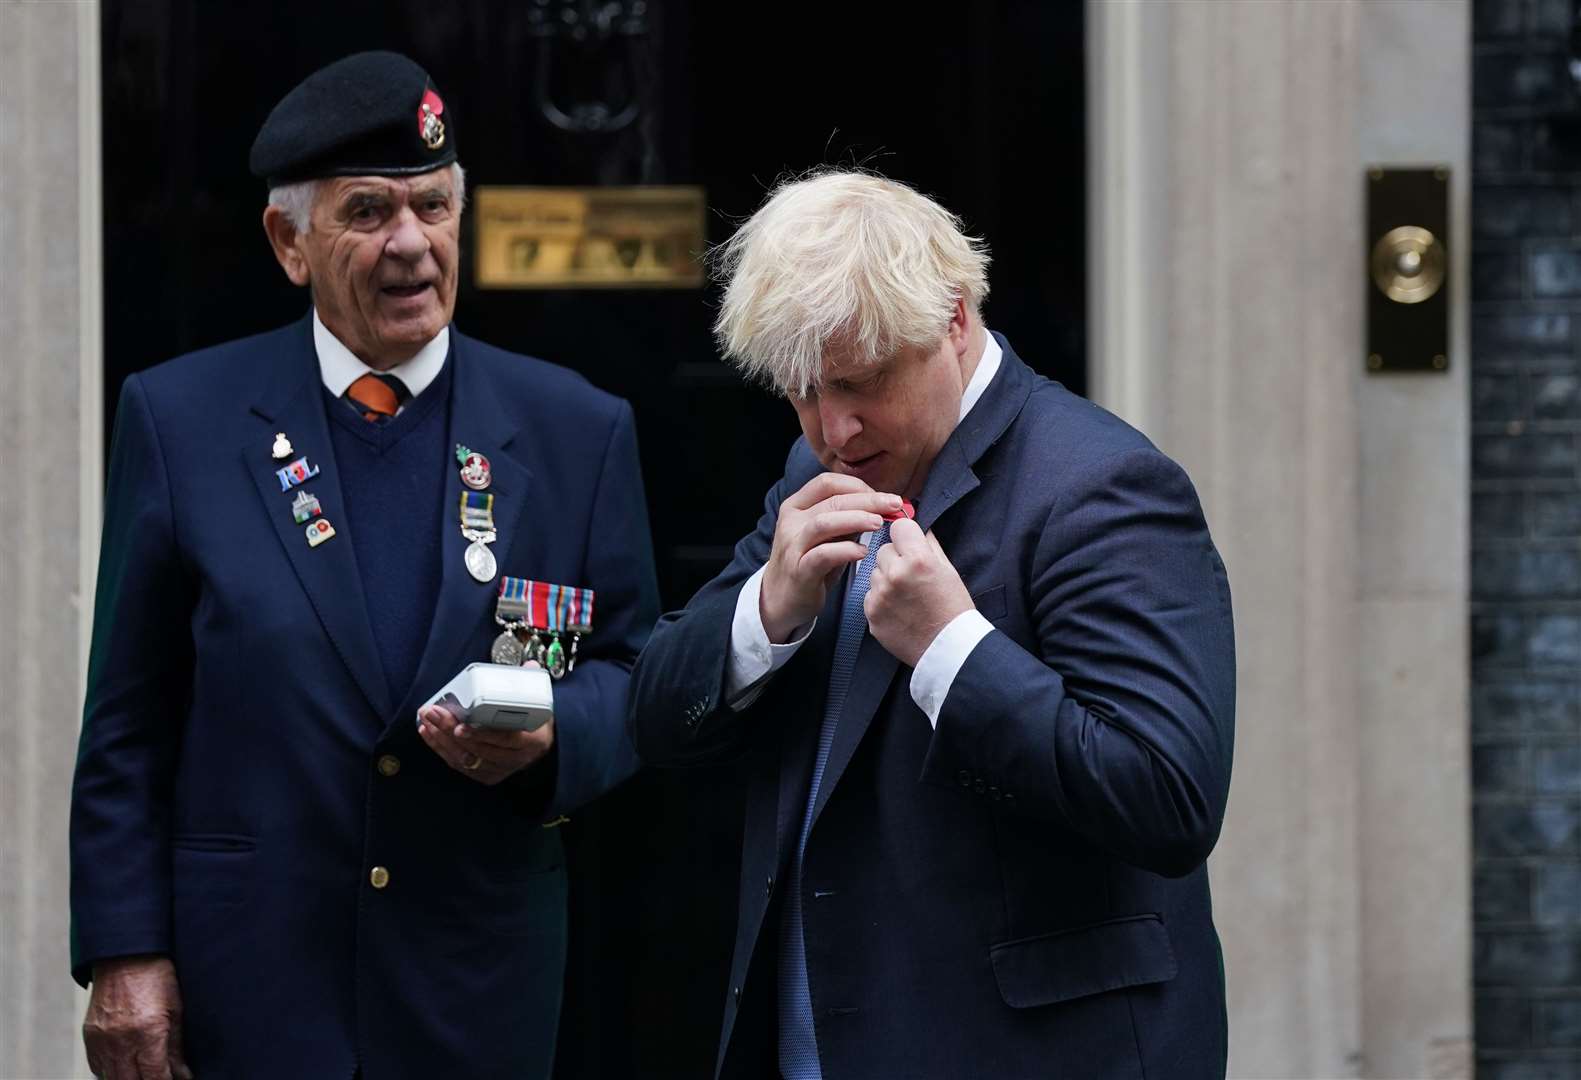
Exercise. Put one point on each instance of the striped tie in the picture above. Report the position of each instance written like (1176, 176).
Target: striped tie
(798, 1041)
(377, 396)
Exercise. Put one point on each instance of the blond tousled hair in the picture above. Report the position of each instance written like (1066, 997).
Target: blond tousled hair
(844, 260)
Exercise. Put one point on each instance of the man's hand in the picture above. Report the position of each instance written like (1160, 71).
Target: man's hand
(133, 1027)
(482, 754)
(815, 539)
(914, 592)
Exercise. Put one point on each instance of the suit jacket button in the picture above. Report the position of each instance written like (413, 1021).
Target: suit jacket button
(1009, 798)
(993, 792)
(964, 778)
(378, 877)
(389, 765)
(979, 786)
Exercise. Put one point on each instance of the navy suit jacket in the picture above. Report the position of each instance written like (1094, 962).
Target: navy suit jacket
(1021, 892)
(229, 807)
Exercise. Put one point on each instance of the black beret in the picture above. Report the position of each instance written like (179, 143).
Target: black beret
(374, 113)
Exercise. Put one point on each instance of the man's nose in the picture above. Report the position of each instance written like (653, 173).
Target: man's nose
(840, 425)
(407, 242)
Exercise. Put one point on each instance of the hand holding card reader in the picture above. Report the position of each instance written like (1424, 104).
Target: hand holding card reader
(499, 696)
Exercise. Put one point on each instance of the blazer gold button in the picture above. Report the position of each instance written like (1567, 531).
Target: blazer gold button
(379, 877)
(389, 765)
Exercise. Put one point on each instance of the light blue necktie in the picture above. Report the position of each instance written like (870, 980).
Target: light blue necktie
(798, 1042)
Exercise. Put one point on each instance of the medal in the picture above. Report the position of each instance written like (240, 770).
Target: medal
(282, 447)
(477, 525)
(508, 649)
(298, 472)
(481, 563)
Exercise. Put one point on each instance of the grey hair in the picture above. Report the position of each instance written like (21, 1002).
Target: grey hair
(845, 260)
(296, 200)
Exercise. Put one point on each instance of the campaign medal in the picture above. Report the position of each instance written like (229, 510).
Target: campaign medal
(510, 613)
(298, 472)
(305, 507)
(474, 468)
(477, 525)
(282, 447)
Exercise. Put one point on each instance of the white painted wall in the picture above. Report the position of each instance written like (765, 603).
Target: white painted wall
(50, 490)
(1228, 143)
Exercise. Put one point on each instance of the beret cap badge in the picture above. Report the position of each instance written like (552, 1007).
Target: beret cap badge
(429, 126)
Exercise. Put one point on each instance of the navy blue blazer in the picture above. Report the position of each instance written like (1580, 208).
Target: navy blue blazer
(229, 802)
(1022, 892)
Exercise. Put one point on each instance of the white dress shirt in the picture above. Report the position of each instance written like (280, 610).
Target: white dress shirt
(753, 657)
(339, 367)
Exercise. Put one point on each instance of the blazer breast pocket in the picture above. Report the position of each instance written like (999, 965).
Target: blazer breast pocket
(990, 603)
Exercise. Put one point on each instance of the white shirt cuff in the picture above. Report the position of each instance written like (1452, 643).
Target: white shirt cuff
(753, 657)
(941, 662)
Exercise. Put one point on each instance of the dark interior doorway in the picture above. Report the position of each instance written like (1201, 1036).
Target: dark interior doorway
(982, 107)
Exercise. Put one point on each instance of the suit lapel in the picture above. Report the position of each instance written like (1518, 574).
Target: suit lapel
(799, 735)
(949, 480)
(328, 573)
(464, 604)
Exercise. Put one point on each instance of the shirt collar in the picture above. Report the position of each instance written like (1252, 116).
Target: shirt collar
(986, 367)
(339, 367)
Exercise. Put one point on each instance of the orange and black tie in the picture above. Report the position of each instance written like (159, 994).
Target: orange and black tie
(377, 396)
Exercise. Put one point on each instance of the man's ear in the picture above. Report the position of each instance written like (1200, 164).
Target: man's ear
(960, 329)
(285, 240)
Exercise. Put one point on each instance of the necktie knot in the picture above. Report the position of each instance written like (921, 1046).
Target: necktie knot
(377, 396)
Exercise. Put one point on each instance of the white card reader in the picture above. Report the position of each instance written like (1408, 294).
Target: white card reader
(499, 696)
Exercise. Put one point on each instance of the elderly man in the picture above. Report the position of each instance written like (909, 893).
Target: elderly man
(278, 869)
(977, 660)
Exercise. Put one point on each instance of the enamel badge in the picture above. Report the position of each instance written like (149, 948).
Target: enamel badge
(282, 447)
(298, 472)
(305, 507)
(318, 532)
(475, 471)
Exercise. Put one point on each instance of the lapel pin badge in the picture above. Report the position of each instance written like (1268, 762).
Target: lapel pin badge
(305, 507)
(282, 447)
(318, 532)
(298, 472)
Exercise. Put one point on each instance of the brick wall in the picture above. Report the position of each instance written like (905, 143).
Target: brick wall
(1526, 541)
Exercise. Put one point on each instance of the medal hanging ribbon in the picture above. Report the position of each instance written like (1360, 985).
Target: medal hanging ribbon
(545, 609)
(477, 525)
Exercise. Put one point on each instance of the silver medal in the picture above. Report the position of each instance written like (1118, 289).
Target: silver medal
(481, 563)
(507, 650)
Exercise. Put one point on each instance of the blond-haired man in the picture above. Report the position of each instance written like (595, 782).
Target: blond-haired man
(977, 659)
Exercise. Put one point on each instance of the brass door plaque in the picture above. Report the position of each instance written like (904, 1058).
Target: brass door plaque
(598, 237)
(1407, 265)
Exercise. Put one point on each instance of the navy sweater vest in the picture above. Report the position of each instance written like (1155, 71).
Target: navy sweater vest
(393, 477)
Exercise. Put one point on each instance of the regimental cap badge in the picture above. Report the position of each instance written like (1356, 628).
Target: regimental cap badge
(429, 126)
(282, 447)
(475, 472)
